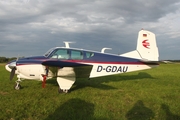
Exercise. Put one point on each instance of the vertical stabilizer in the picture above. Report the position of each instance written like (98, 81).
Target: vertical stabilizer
(146, 46)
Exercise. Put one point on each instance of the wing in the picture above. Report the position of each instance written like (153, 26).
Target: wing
(67, 68)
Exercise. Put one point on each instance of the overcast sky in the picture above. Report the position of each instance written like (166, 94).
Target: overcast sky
(31, 27)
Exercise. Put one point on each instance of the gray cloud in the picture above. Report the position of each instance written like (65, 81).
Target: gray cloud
(31, 27)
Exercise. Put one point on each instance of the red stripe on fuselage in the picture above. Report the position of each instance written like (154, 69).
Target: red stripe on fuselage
(96, 62)
(99, 62)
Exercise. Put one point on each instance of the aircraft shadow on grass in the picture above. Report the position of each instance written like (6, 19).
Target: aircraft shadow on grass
(74, 109)
(139, 112)
(168, 114)
(98, 82)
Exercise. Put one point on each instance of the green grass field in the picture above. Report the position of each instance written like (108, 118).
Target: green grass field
(145, 95)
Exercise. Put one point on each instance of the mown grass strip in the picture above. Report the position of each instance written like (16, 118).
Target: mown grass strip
(150, 94)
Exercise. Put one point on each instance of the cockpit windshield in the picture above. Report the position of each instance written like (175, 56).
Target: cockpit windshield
(49, 52)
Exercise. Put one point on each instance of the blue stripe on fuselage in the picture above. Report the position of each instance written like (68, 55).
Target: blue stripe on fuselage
(97, 57)
(100, 57)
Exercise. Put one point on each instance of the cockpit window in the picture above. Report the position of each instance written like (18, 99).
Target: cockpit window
(49, 52)
(60, 54)
(76, 55)
(89, 54)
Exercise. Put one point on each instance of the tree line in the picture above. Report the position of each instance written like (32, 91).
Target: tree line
(5, 59)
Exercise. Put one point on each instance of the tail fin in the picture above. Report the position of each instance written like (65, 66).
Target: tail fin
(146, 47)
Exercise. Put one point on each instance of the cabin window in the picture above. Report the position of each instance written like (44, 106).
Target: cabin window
(76, 55)
(61, 54)
(89, 54)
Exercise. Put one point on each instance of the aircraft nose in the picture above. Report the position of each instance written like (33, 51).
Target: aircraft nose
(10, 66)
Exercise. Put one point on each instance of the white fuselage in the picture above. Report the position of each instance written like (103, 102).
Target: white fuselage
(35, 71)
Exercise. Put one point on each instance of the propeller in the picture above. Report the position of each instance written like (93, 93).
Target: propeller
(12, 66)
(13, 70)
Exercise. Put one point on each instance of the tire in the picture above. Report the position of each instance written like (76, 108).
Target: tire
(17, 86)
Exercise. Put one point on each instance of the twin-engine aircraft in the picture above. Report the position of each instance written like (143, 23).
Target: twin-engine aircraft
(67, 64)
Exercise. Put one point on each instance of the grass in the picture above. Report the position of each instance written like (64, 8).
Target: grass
(145, 95)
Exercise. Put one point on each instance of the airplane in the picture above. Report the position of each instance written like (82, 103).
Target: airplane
(67, 64)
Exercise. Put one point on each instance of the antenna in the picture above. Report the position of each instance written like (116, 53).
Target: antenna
(102, 51)
(67, 44)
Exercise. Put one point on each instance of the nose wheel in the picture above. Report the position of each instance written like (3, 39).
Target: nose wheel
(17, 86)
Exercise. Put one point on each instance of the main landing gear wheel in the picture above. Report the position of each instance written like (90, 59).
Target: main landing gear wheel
(62, 91)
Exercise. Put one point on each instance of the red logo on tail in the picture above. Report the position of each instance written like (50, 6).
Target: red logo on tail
(146, 44)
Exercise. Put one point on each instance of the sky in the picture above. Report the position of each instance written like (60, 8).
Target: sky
(31, 27)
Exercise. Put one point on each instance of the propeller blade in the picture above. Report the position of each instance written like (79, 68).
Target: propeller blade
(12, 73)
